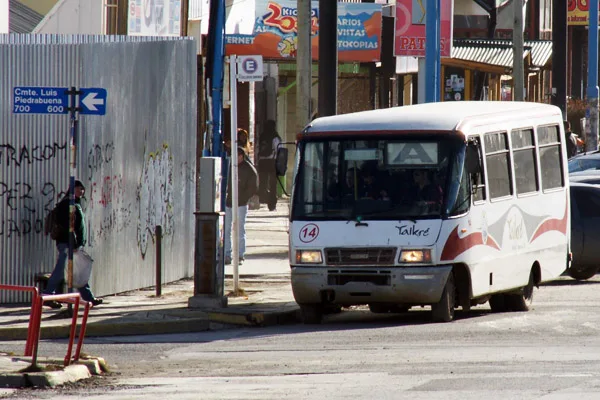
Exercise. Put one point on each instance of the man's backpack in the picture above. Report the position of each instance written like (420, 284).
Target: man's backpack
(53, 225)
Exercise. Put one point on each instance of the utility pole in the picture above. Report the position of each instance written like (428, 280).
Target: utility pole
(518, 67)
(327, 58)
(303, 65)
(432, 51)
(559, 55)
(591, 113)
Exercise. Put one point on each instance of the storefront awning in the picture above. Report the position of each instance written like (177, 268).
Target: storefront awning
(497, 55)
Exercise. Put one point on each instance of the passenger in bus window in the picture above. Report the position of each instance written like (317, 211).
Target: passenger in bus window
(426, 190)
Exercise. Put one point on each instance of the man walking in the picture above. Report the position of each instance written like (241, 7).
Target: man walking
(247, 187)
(62, 245)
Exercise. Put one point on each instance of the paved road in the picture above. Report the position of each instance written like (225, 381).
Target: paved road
(550, 353)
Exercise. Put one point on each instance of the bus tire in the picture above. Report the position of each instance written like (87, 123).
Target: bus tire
(521, 301)
(312, 314)
(498, 303)
(582, 273)
(443, 311)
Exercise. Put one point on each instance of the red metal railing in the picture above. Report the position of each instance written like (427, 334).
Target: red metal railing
(35, 320)
(30, 332)
(72, 298)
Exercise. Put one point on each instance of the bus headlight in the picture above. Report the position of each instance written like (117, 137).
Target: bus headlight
(415, 256)
(309, 257)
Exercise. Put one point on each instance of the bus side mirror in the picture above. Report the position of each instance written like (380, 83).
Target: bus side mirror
(281, 161)
(473, 158)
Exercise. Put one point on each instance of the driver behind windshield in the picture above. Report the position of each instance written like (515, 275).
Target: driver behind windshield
(425, 189)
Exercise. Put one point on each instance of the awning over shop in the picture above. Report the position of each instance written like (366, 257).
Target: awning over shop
(496, 56)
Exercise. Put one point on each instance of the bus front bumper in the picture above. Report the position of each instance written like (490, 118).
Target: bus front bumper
(352, 286)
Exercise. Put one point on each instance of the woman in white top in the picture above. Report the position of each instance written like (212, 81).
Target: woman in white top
(269, 141)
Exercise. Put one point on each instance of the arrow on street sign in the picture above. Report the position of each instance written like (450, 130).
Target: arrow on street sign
(92, 101)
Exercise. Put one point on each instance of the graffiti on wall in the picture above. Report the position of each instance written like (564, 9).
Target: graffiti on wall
(25, 203)
(155, 197)
(26, 155)
(24, 208)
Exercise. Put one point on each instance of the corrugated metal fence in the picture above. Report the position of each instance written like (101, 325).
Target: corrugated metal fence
(137, 161)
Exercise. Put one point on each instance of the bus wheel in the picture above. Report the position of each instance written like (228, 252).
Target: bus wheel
(498, 303)
(521, 301)
(582, 273)
(443, 311)
(311, 313)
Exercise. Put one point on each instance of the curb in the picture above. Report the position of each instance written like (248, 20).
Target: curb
(164, 325)
(82, 369)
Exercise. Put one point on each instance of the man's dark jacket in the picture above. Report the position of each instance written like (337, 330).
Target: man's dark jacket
(63, 217)
(247, 183)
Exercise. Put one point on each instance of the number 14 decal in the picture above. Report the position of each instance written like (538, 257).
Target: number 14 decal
(309, 232)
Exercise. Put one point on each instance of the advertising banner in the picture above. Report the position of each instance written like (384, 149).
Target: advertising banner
(409, 38)
(154, 18)
(274, 31)
(578, 12)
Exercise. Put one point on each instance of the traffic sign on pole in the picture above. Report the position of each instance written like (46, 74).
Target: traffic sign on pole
(40, 100)
(55, 100)
(250, 68)
(92, 101)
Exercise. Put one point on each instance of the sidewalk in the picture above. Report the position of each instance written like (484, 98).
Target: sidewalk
(264, 278)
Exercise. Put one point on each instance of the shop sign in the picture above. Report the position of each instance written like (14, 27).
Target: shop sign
(274, 32)
(409, 37)
(578, 12)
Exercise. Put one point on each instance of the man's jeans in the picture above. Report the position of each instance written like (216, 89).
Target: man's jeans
(242, 212)
(58, 274)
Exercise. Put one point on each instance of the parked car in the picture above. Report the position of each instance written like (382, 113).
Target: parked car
(585, 230)
(584, 162)
(591, 176)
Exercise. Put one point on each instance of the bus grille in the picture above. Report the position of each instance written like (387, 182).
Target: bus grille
(361, 256)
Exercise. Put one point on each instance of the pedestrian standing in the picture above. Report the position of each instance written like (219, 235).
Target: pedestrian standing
(62, 245)
(571, 140)
(268, 144)
(247, 187)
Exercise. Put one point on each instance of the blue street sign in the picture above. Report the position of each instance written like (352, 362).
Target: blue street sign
(92, 101)
(40, 100)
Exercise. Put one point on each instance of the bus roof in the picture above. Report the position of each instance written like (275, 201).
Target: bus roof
(442, 116)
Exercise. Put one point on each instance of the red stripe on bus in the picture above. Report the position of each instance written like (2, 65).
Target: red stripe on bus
(455, 245)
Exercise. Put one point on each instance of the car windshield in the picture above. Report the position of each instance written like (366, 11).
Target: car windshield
(583, 164)
(413, 177)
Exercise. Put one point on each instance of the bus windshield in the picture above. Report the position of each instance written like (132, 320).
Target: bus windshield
(388, 178)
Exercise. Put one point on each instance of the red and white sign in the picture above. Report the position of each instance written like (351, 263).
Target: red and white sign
(409, 37)
(308, 233)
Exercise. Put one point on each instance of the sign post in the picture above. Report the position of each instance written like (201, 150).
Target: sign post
(61, 100)
(243, 69)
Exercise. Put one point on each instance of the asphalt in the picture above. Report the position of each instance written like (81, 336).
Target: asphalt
(263, 297)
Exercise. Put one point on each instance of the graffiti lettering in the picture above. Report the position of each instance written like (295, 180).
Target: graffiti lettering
(20, 191)
(109, 191)
(22, 227)
(116, 221)
(99, 155)
(9, 155)
(155, 197)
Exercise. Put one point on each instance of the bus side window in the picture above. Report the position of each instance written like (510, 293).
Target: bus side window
(498, 164)
(549, 142)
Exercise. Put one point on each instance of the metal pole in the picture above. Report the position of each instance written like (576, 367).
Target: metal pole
(432, 51)
(74, 127)
(518, 65)
(327, 58)
(235, 222)
(559, 55)
(303, 65)
(216, 80)
(158, 234)
(591, 112)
